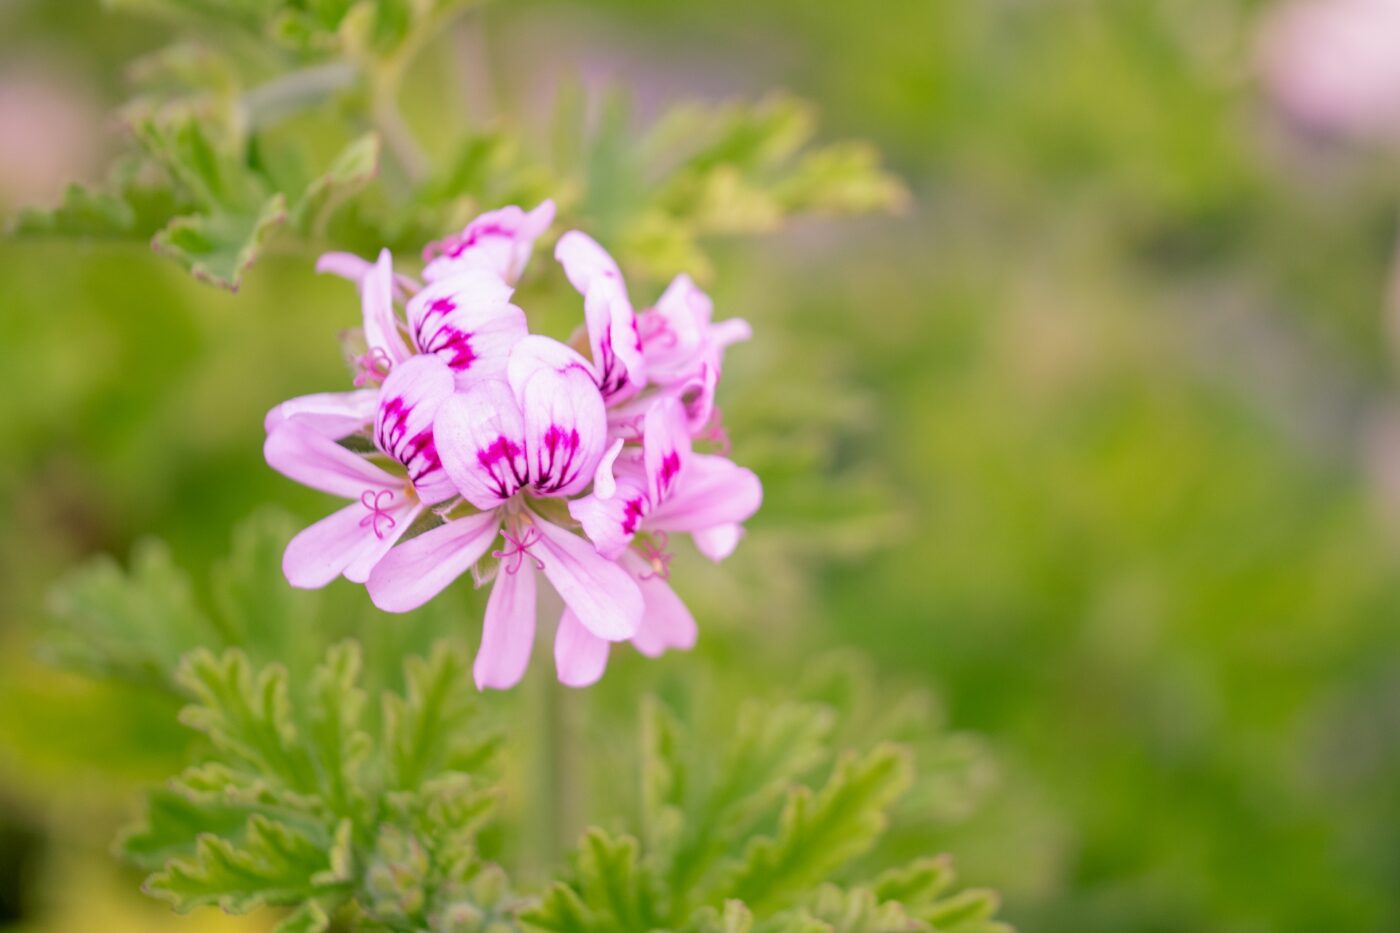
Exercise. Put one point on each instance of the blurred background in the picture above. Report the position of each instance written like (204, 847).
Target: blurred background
(1097, 440)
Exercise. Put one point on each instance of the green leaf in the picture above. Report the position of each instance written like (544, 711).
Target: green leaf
(272, 864)
(426, 730)
(173, 822)
(917, 884)
(843, 178)
(308, 918)
(131, 626)
(773, 746)
(219, 248)
(857, 911)
(820, 832)
(269, 621)
(354, 168)
(248, 719)
(612, 891)
(81, 213)
(336, 740)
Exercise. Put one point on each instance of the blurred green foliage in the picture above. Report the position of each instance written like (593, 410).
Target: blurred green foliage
(1078, 440)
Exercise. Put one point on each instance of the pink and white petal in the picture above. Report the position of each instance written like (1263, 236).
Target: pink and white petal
(467, 320)
(665, 446)
(391, 523)
(599, 592)
(480, 437)
(323, 551)
(334, 414)
(584, 261)
(566, 424)
(715, 491)
(611, 523)
(377, 300)
(508, 631)
(419, 569)
(403, 423)
(580, 657)
(667, 623)
(311, 458)
(718, 542)
(614, 338)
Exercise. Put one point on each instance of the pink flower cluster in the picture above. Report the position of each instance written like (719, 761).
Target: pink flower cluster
(497, 447)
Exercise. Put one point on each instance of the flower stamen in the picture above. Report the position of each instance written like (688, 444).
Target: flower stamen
(372, 367)
(378, 511)
(519, 549)
(654, 550)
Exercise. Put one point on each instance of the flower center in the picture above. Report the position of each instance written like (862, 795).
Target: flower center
(372, 367)
(519, 545)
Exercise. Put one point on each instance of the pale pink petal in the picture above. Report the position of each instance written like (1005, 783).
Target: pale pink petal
(731, 331)
(612, 522)
(377, 299)
(566, 424)
(718, 542)
(325, 550)
(480, 436)
(598, 591)
(714, 492)
(403, 423)
(311, 458)
(419, 569)
(508, 630)
(334, 414)
(666, 622)
(580, 657)
(352, 267)
(604, 485)
(584, 261)
(666, 447)
(467, 320)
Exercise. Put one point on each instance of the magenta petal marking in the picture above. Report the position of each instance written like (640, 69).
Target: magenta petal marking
(446, 341)
(494, 459)
(417, 453)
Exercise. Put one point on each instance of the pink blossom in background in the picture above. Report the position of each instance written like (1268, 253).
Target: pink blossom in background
(1334, 65)
(515, 455)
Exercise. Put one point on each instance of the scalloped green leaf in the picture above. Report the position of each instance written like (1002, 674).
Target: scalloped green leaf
(219, 248)
(821, 832)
